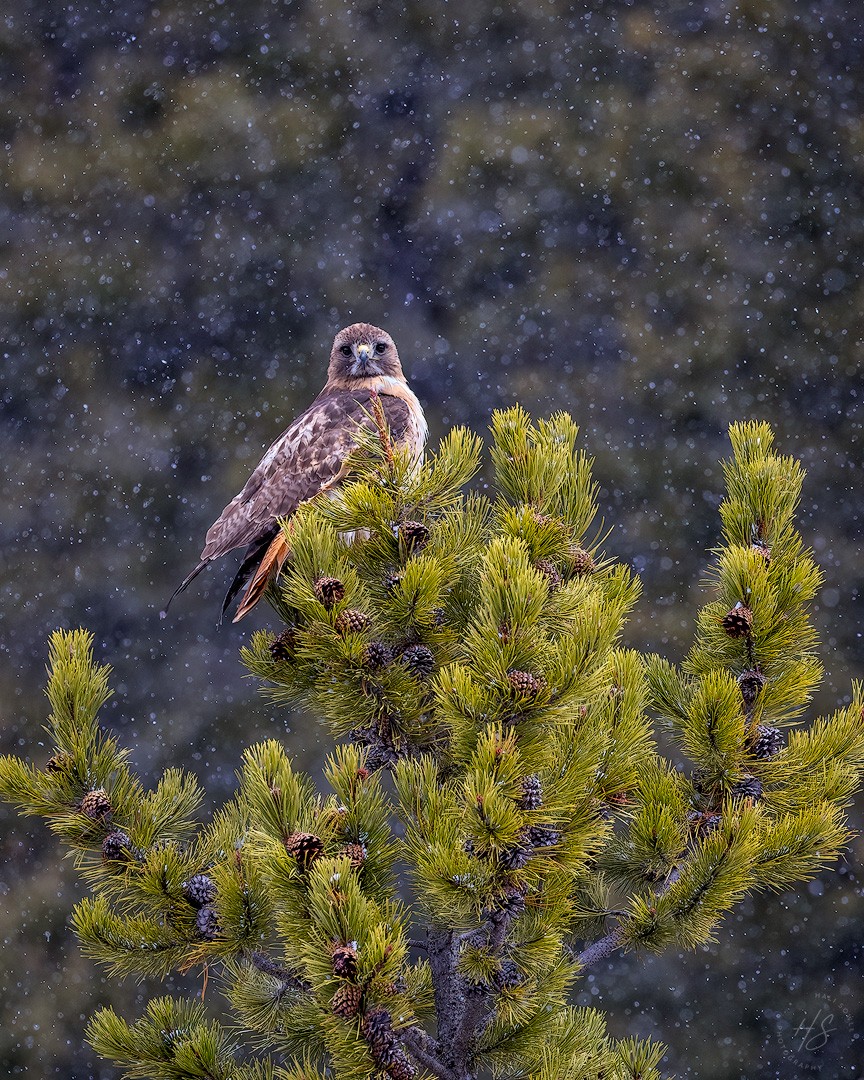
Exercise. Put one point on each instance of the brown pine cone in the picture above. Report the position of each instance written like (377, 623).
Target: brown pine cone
(207, 923)
(510, 903)
(748, 788)
(414, 535)
(304, 847)
(751, 682)
(400, 1066)
(377, 1030)
(346, 1001)
(333, 818)
(345, 961)
(514, 858)
(351, 621)
(282, 647)
(391, 581)
(738, 622)
(329, 591)
(523, 682)
(582, 562)
(550, 571)
(542, 836)
(96, 804)
(508, 975)
(761, 548)
(61, 762)
(356, 853)
(703, 823)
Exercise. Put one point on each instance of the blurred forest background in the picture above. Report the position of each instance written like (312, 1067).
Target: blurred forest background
(649, 214)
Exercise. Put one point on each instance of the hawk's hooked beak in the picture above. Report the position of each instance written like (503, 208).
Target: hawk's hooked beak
(364, 355)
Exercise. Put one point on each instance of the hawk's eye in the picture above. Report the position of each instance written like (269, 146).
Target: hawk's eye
(380, 347)
(345, 350)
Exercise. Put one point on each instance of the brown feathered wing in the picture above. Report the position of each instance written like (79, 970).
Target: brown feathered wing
(307, 459)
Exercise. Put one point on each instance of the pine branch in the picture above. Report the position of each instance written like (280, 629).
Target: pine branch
(289, 979)
(599, 950)
(426, 1053)
(383, 430)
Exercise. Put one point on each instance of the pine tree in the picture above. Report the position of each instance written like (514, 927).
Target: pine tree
(498, 816)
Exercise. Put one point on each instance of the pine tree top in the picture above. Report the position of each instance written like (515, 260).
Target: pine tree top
(495, 816)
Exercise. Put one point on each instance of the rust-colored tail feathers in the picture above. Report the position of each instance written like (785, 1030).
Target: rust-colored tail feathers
(268, 569)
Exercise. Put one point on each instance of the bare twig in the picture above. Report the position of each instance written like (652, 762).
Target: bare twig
(599, 949)
(425, 1052)
(269, 967)
(469, 937)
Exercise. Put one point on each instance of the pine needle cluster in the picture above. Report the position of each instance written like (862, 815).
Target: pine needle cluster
(497, 817)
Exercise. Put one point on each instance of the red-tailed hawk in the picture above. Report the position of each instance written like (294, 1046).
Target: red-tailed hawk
(310, 458)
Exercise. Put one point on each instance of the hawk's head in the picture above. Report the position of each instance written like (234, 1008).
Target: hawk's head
(362, 351)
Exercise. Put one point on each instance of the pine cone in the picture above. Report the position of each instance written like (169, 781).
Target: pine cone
(532, 793)
(200, 890)
(550, 571)
(207, 923)
(510, 903)
(346, 1001)
(508, 975)
(116, 847)
(391, 581)
(61, 762)
(351, 621)
(377, 655)
(356, 853)
(703, 823)
(419, 660)
(400, 1066)
(414, 535)
(96, 804)
(762, 549)
(282, 647)
(751, 682)
(345, 961)
(582, 562)
(514, 858)
(738, 622)
(768, 742)
(523, 682)
(304, 847)
(439, 617)
(541, 836)
(329, 591)
(333, 818)
(377, 1030)
(748, 788)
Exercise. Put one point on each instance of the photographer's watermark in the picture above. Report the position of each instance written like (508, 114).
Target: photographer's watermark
(818, 1037)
